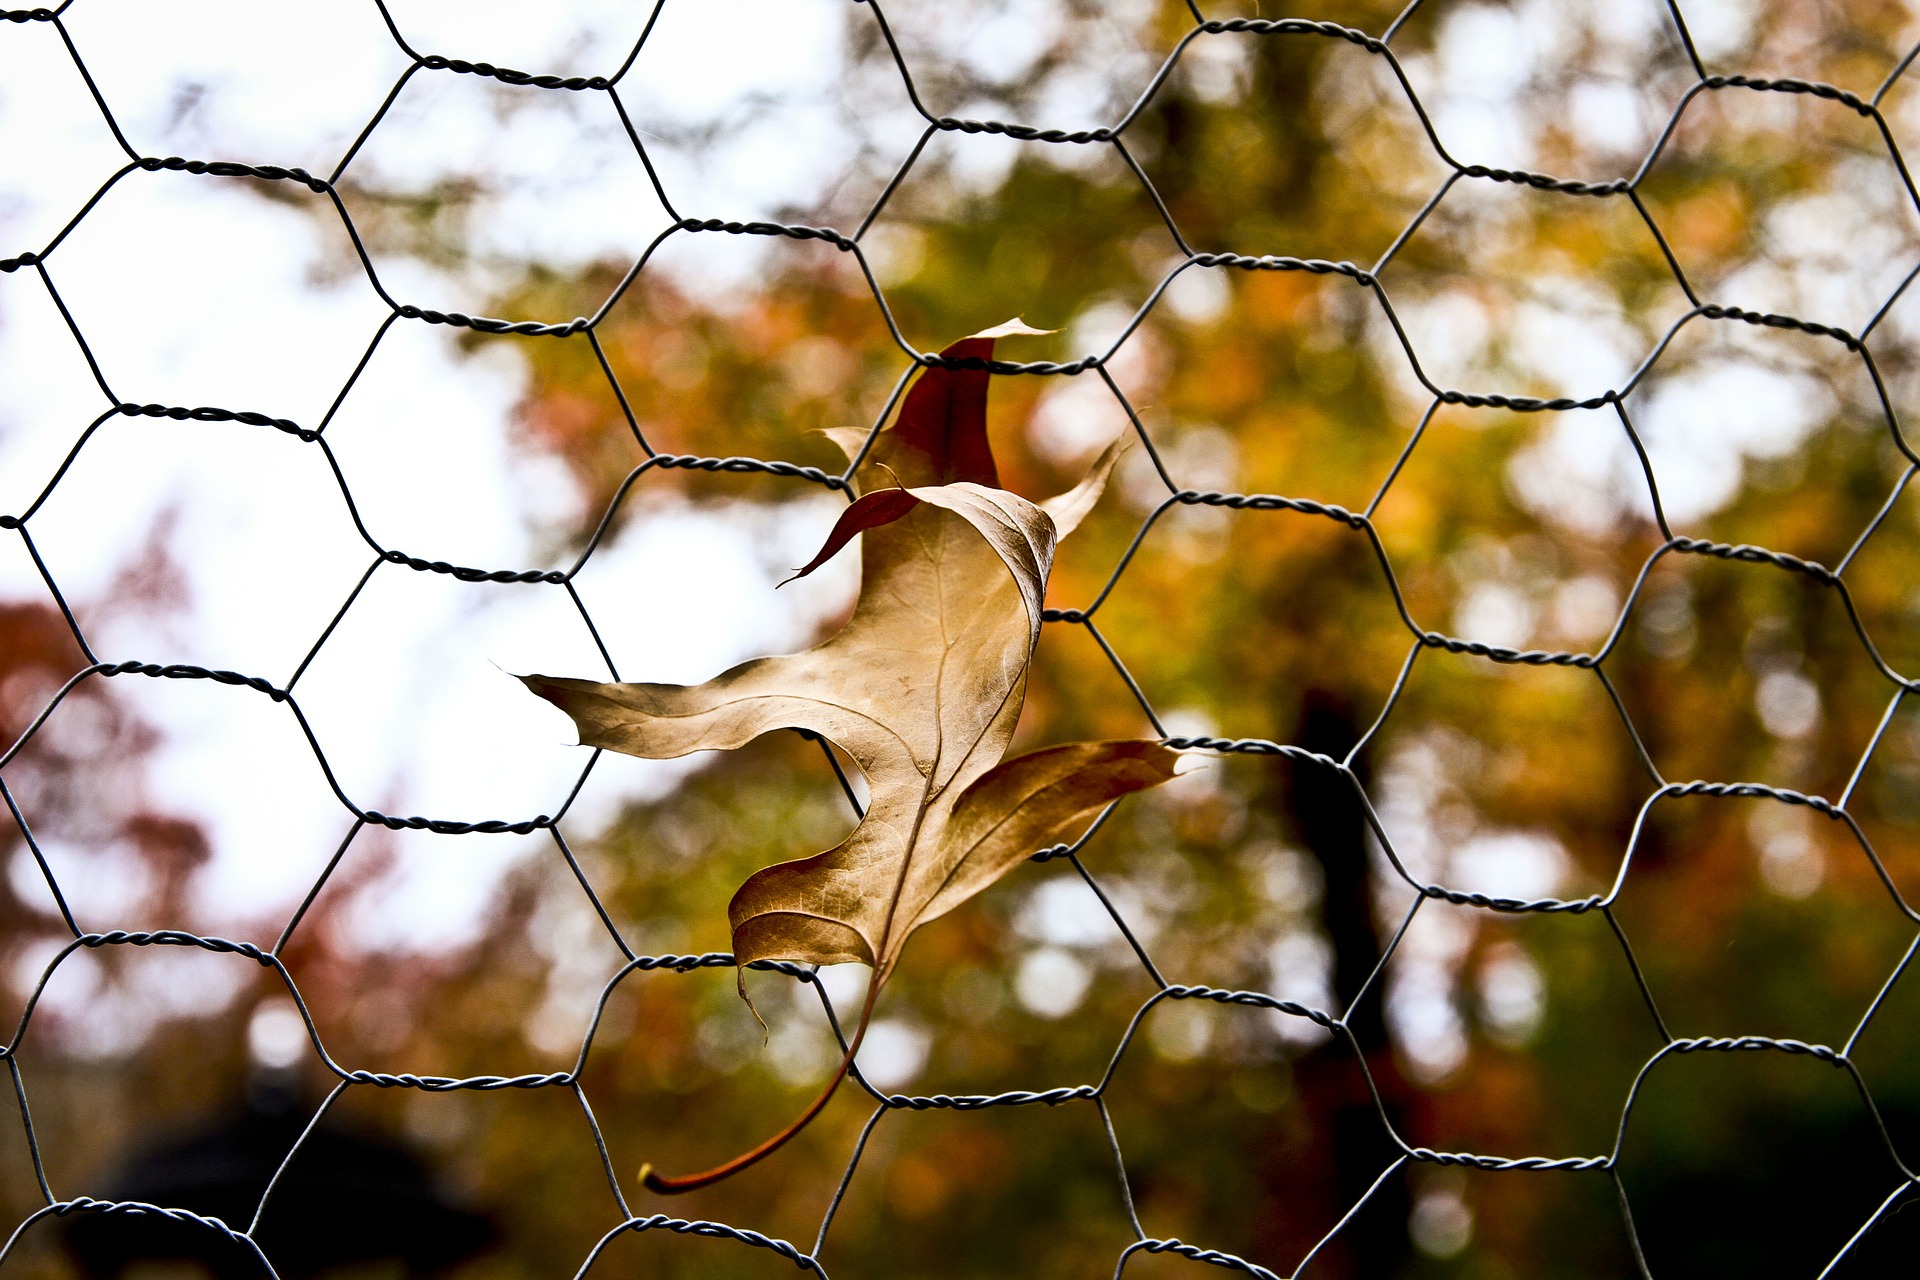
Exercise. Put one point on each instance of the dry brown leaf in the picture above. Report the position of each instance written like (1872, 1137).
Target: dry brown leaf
(922, 688)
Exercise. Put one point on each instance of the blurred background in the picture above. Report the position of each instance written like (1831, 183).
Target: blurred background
(183, 1076)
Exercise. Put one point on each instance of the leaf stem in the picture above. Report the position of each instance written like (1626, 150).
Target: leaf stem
(666, 1186)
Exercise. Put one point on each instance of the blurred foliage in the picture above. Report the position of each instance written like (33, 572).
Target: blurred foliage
(1500, 1034)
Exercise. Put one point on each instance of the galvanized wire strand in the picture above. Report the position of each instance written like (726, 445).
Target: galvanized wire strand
(1371, 280)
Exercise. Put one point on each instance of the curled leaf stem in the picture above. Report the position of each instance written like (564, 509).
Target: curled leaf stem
(666, 1186)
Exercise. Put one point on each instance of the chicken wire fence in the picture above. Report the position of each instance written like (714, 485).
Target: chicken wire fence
(44, 264)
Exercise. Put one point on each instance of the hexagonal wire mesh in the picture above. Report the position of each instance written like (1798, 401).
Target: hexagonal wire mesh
(44, 262)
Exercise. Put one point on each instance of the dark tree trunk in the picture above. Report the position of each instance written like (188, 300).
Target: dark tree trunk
(1329, 819)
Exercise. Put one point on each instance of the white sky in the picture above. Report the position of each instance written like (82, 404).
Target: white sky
(194, 291)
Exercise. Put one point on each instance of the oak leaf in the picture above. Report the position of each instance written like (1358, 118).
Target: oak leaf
(922, 688)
